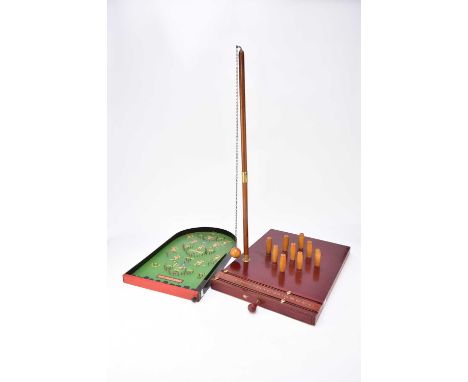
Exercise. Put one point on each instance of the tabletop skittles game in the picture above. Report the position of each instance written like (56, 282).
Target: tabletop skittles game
(283, 272)
(183, 265)
(286, 273)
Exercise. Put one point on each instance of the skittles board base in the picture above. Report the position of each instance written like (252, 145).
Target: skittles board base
(184, 264)
(295, 283)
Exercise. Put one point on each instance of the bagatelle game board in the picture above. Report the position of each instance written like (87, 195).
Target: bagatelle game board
(183, 265)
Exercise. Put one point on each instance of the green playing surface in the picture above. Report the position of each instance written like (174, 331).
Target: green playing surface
(186, 260)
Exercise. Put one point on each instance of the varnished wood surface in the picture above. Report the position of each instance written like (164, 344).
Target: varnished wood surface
(243, 119)
(313, 283)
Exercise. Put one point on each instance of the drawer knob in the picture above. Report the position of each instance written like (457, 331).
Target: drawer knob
(253, 306)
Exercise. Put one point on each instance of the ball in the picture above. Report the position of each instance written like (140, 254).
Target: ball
(235, 252)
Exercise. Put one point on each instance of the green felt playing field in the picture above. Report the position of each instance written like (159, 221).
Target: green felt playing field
(186, 260)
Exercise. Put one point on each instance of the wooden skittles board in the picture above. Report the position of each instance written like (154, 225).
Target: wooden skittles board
(287, 273)
(183, 265)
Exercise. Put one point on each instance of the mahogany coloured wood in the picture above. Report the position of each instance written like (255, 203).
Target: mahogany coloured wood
(243, 123)
(300, 295)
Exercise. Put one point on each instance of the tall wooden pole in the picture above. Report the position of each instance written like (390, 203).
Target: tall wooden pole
(245, 215)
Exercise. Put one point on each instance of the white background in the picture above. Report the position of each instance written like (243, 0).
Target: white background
(53, 238)
(171, 97)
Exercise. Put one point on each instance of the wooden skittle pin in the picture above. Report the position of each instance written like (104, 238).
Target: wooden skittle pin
(268, 245)
(282, 262)
(318, 255)
(274, 254)
(301, 242)
(292, 252)
(309, 248)
(299, 260)
(285, 243)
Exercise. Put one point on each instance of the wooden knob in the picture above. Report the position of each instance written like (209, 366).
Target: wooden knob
(253, 306)
(285, 243)
(268, 245)
(274, 254)
(318, 255)
(299, 260)
(309, 248)
(282, 262)
(292, 252)
(301, 241)
(235, 252)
